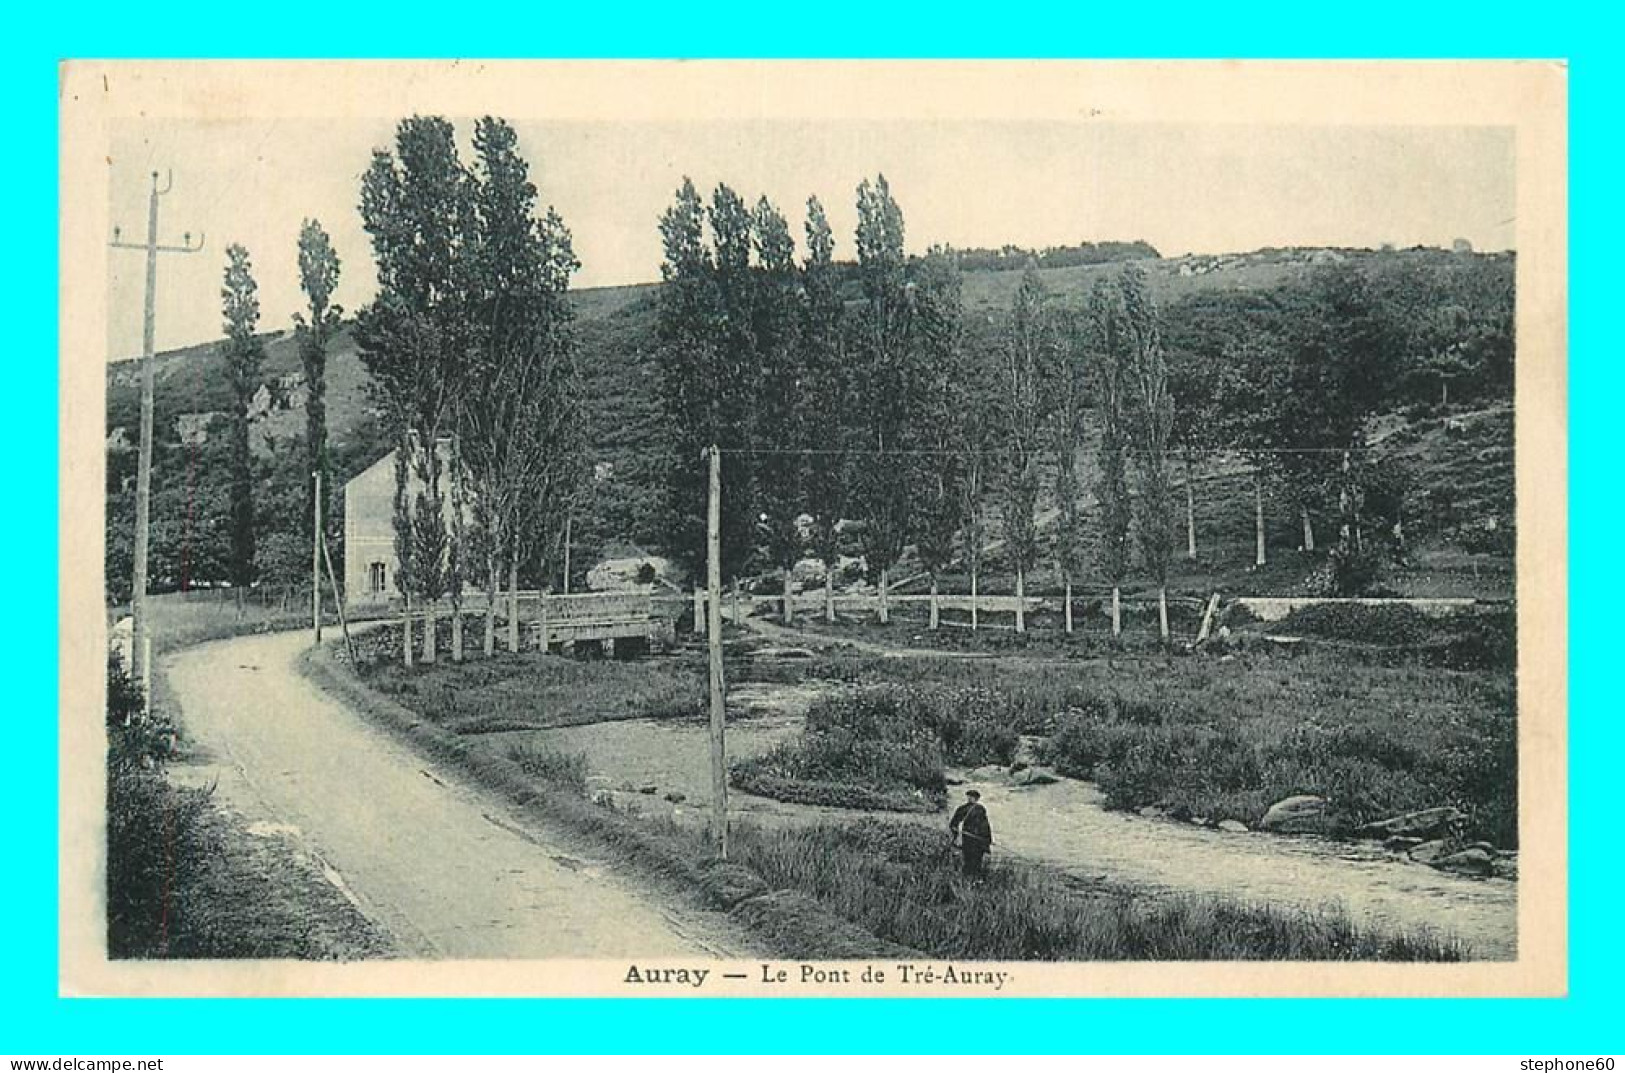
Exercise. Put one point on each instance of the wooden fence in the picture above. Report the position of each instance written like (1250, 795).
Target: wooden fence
(559, 618)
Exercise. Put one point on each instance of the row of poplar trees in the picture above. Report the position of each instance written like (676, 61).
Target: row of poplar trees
(470, 347)
(244, 354)
(867, 401)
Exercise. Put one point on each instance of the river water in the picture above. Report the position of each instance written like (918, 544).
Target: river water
(1065, 826)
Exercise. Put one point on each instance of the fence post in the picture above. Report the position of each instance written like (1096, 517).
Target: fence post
(713, 577)
(1207, 619)
(316, 535)
(146, 672)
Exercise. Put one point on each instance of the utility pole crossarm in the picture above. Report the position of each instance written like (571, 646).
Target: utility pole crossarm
(188, 247)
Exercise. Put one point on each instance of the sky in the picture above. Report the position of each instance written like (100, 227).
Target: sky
(1208, 188)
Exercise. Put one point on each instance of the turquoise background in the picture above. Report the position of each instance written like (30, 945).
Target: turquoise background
(33, 1020)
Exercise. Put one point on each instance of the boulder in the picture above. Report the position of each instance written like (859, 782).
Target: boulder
(1299, 814)
(1035, 776)
(1428, 824)
(1152, 812)
(1401, 843)
(1471, 861)
(1505, 866)
(648, 789)
(676, 798)
(1233, 826)
(986, 773)
(1428, 852)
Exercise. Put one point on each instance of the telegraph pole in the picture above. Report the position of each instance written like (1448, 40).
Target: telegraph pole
(317, 541)
(713, 575)
(568, 518)
(143, 479)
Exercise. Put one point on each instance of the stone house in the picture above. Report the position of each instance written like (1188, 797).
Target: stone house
(370, 563)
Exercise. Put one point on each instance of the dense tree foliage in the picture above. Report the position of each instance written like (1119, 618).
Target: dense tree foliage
(861, 400)
(1015, 258)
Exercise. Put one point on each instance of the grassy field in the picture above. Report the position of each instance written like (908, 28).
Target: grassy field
(530, 691)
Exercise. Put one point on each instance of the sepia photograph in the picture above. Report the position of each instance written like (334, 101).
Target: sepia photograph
(968, 529)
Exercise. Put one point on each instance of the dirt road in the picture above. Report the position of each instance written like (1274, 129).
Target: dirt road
(446, 870)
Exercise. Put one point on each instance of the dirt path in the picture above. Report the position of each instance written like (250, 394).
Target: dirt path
(1066, 826)
(447, 870)
(809, 639)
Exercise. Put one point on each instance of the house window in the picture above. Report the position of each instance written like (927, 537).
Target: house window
(375, 578)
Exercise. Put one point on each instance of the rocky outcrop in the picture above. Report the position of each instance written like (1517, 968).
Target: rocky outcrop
(1472, 861)
(1033, 775)
(1299, 814)
(1428, 852)
(1427, 824)
(1476, 859)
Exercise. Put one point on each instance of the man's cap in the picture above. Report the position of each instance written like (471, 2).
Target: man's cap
(974, 793)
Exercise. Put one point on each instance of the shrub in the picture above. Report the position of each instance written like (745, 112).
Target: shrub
(156, 841)
(568, 770)
(1353, 570)
(972, 724)
(156, 834)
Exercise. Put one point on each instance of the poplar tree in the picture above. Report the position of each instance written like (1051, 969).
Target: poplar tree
(709, 372)
(414, 336)
(1153, 417)
(886, 385)
(1107, 331)
(690, 402)
(944, 403)
(520, 436)
(736, 375)
(318, 278)
(825, 396)
(1069, 426)
(244, 354)
(1029, 353)
(782, 417)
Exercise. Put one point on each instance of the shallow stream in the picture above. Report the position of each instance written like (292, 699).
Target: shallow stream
(1066, 826)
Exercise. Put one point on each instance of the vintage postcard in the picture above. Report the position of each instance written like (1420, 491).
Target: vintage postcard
(931, 529)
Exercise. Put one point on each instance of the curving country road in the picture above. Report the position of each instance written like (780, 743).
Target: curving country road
(445, 869)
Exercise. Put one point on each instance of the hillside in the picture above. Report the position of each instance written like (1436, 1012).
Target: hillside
(1463, 475)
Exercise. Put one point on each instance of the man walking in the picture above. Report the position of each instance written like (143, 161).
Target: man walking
(972, 832)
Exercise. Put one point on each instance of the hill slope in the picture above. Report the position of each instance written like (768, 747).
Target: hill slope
(1464, 474)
